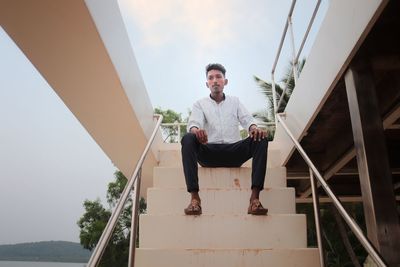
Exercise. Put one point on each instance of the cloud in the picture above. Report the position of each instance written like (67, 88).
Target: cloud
(205, 23)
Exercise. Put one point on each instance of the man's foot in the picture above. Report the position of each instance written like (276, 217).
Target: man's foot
(194, 208)
(256, 208)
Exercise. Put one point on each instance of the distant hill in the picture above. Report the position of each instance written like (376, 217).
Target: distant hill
(56, 251)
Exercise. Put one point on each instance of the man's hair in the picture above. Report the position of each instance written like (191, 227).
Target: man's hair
(215, 66)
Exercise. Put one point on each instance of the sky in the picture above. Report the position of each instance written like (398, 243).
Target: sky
(173, 41)
(44, 179)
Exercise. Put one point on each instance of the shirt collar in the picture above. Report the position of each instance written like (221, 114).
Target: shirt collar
(223, 97)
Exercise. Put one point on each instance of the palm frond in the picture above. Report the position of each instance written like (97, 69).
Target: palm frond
(266, 89)
(288, 77)
(263, 115)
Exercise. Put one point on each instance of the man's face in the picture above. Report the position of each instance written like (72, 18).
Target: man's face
(216, 81)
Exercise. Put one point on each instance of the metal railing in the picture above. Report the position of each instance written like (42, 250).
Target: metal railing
(347, 218)
(314, 173)
(133, 185)
(295, 56)
(173, 125)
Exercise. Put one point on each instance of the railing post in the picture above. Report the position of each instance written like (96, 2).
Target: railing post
(317, 217)
(294, 61)
(276, 107)
(108, 230)
(179, 132)
(274, 98)
(135, 219)
(284, 90)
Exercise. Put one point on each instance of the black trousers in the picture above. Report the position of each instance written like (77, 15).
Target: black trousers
(223, 155)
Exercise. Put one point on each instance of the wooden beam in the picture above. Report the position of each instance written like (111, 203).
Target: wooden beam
(373, 164)
(390, 118)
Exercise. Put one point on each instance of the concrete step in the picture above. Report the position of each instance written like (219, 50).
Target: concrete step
(278, 200)
(171, 156)
(223, 231)
(217, 177)
(305, 257)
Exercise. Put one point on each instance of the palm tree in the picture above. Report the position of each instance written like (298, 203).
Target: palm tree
(266, 89)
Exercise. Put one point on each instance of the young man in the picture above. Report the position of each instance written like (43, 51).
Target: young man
(213, 140)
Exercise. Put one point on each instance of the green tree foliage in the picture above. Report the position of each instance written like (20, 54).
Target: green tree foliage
(115, 188)
(170, 133)
(335, 251)
(95, 218)
(169, 115)
(92, 223)
(266, 90)
(267, 115)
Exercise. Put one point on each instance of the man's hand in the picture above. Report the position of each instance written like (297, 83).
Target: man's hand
(257, 133)
(201, 135)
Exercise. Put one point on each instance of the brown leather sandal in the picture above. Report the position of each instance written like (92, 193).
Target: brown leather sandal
(256, 208)
(194, 208)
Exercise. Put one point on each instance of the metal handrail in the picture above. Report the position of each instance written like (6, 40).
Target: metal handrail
(108, 230)
(174, 124)
(283, 37)
(313, 170)
(285, 88)
(310, 23)
(295, 56)
(347, 218)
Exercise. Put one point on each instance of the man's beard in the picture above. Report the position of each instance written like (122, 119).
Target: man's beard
(216, 89)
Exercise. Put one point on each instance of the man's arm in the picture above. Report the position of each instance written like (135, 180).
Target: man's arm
(196, 122)
(247, 121)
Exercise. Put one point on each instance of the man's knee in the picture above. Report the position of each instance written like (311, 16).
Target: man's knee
(261, 143)
(188, 138)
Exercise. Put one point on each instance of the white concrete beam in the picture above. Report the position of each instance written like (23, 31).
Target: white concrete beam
(96, 75)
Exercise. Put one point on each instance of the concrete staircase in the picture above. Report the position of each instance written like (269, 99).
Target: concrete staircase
(224, 235)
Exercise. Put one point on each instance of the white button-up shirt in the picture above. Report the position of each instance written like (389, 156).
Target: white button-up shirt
(220, 121)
